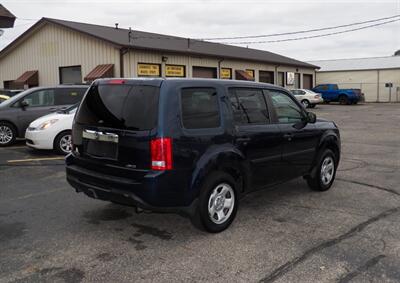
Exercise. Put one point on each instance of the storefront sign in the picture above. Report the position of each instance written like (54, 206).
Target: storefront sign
(250, 72)
(225, 73)
(152, 70)
(175, 71)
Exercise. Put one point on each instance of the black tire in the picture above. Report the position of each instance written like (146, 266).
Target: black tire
(312, 105)
(343, 100)
(8, 134)
(316, 180)
(305, 103)
(59, 143)
(202, 218)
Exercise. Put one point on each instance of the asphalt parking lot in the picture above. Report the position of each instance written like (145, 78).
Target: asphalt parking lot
(48, 233)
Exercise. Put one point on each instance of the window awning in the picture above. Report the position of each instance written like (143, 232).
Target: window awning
(243, 75)
(30, 78)
(100, 71)
(6, 18)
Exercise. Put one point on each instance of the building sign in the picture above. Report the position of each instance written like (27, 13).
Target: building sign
(250, 72)
(149, 70)
(289, 78)
(175, 71)
(225, 73)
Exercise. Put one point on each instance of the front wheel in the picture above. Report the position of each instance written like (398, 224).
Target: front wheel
(63, 143)
(305, 103)
(8, 134)
(323, 175)
(217, 204)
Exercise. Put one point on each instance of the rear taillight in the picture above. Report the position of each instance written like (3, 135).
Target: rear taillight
(161, 154)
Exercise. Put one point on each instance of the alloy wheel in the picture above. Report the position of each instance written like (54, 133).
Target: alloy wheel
(66, 143)
(6, 134)
(221, 203)
(327, 170)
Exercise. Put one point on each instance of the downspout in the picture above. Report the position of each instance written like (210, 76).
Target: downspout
(377, 88)
(276, 75)
(219, 67)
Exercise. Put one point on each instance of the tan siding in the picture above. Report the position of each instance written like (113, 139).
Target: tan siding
(52, 47)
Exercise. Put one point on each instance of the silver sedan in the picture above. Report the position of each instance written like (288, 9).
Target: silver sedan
(307, 97)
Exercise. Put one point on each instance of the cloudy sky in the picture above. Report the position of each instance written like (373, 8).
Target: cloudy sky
(226, 18)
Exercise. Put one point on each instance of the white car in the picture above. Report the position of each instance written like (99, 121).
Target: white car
(52, 131)
(307, 97)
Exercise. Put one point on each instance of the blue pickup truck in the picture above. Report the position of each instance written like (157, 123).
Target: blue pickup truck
(332, 93)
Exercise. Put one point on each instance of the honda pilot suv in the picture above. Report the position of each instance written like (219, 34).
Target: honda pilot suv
(195, 145)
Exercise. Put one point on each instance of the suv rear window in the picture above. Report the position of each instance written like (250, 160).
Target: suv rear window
(200, 108)
(120, 106)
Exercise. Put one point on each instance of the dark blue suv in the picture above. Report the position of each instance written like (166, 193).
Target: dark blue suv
(195, 145)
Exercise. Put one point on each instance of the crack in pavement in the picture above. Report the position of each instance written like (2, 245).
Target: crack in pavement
(290, 265)
(369, 185)
(370, 263)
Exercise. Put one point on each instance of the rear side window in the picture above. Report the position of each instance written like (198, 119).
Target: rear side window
(40, 98)
(248, 106)
(200, 108)
(66, 96)
(120, 106)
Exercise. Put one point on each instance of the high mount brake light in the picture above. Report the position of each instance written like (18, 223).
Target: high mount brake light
(116, 82)
(161, 154)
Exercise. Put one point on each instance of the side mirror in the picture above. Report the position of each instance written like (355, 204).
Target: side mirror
(23, 104)
(311, 118)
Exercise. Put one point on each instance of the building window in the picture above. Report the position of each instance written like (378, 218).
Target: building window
(148, 70)
(70, 75)
(281, 79)
(266, 77)
(225, 73)
(250, 72)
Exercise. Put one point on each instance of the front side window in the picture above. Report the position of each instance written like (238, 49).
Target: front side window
(285, 107)
(39, 98)
(248, 106)
(200, 108)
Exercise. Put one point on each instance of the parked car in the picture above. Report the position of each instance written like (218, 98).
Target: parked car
(195, 146)
(332, 93)
(52, 131)
(3, 98)
(10, 92)
(19, 111)
(307, 97)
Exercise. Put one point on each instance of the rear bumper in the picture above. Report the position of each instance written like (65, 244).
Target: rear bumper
(150, 193)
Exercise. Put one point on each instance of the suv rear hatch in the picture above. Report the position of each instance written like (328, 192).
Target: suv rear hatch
(114, 125)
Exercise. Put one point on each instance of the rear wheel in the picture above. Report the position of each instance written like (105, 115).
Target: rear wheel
(8, 134)
(217, 204)
(343, 100)
(305, 103)
(324, 174)
(63, 143)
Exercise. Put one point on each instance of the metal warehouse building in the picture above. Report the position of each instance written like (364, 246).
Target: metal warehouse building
(378, 77)
(55, 52)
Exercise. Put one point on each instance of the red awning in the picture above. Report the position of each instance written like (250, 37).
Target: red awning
(100, 71)
(243, 75)
(30, 78)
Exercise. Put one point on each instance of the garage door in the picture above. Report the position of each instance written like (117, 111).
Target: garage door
(307, 81)
(204, 72)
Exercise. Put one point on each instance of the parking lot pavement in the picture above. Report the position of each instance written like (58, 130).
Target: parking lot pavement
(48, 233)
